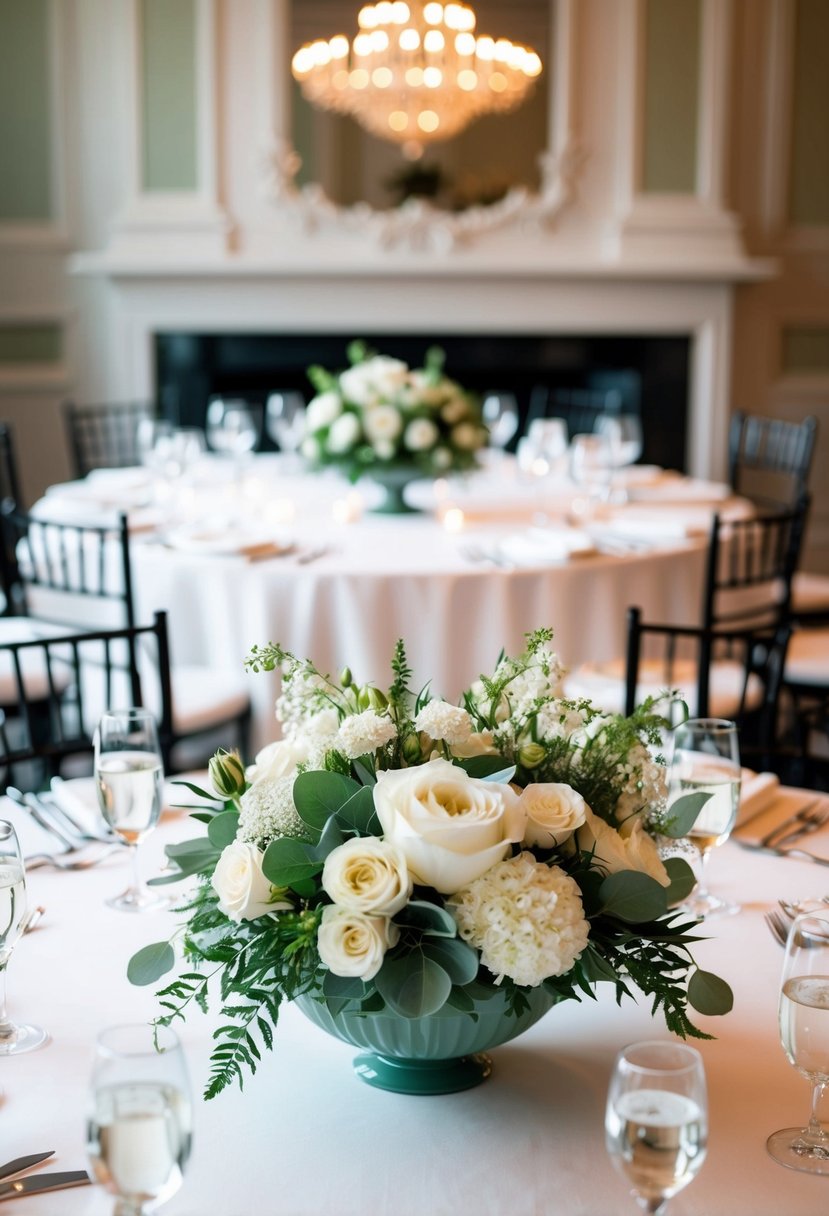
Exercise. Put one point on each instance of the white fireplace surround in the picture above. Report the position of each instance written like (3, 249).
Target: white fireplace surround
(590, 255)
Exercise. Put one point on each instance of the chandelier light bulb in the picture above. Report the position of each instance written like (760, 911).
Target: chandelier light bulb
(415, 73)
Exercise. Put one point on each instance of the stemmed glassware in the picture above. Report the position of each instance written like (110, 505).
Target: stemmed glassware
(14, 1038)
(129, 774)
(624, 437)
(500, 414)
(804, 1033)
(706, 760)
(139, 1127)
(656, 1122)
(285, 421)
(231, 428)
(591, 468)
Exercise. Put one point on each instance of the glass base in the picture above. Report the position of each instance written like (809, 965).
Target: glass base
(701, 904)
(136, 899)
(22, 1038)
(795, 1148)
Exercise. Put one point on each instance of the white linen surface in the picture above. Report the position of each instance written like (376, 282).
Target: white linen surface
(307, 1138)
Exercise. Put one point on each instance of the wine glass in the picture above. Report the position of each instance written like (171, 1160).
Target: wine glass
(804, 1022)
(499, 412)
(231, 428)
(656, 1123)
(706, 760)
(624, 436)
(139, 1127)
(129, 775)
(591, 468)
(285, 420)
(14, 1038)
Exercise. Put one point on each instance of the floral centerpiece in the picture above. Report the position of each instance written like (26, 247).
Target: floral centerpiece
(384, 419)
(398, 856)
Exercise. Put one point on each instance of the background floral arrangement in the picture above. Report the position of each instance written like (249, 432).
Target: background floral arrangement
(380, 413)
(398, 852)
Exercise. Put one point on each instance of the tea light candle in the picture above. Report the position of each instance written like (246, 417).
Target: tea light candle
(453, 519)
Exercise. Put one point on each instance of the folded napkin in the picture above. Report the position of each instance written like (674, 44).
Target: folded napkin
(758, 793)
(663, 526)
(673, 488)
(538, 546)
(33, 838)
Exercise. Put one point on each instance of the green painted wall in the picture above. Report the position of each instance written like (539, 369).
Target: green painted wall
(25, 122)
(30, 343)
(168, 30)
(805, 349)
(809, 185)
(672, 66)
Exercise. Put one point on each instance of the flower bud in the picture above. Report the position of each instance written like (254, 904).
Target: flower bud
(376, 699)
(346, 678)
(227, 774)
(412, 751)
(363, 699)
(531, 755)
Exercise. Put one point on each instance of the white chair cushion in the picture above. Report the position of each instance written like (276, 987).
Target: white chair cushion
(604, 685)
(807, 660)
(205, 697)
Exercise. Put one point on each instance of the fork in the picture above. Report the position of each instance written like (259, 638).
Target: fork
(808, 820)
(778, 925)
(36, 860)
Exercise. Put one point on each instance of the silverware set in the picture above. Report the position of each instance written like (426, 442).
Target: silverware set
(76, 844)
(802, 822)
(49, 1181)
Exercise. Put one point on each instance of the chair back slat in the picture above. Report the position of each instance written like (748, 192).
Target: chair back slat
(770, 458)
(104, 436)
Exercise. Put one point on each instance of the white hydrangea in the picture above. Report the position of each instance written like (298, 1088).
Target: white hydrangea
(364, 733)
(268, 812)
(440, 720)
(525, 918)
(645, 788)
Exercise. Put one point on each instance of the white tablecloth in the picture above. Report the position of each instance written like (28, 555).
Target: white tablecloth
(307, 1138)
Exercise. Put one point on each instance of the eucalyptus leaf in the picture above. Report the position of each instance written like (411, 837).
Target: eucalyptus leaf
(364, 769)
(358, 814)
(150, 963)
(489, 767)
(633, 897)
(287, 861)
(428, 918)
(683, 879)
(196, 789)
(222, 829)
(682, 814)
(331, 839)
(319, 794)
(413, 986)
(709, 994)
(458, 960)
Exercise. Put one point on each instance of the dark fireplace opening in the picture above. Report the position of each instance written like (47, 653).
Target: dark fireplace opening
(648, 374)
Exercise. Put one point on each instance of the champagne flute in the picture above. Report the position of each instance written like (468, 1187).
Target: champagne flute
(656, 1123)
(706, 760)
(139, 1127)
(804, 1032)
(129, 775)
(14, 1038)
(285, 421)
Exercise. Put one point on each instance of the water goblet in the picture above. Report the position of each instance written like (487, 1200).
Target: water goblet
(656, 1121)
(591, 468)
(500, 414)
(129, 775)
(139, 1126)
(285, 421)
(624, 435)
(14, 1038)
(231, 428)
(804, 1032)
(706, 760)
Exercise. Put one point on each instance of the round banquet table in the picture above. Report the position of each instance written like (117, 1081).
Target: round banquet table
(307, 1138)
(341, 584)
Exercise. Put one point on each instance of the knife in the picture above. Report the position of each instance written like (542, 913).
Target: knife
(44, 1182)
(23, 1163)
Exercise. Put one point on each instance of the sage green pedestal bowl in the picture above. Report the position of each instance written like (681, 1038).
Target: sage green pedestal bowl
(439, 1054)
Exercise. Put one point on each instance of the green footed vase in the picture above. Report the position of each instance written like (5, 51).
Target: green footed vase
(439, 1054)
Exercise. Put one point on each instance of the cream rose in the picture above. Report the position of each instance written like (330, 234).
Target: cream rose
(353, 944)
(243, 890)
(367, 875)
(344, 433)
(613, 851)
(450, 827)
(554, 811)
(322, 410)
(279, 759)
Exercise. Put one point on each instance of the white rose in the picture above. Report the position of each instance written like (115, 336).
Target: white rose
(344, 433)
(279, 759)
(420, 435)
(441, 458)
(554, 811)
(383, 449)
(357, 387)
(424, 391)
(367, 875)
(480, 743)
(243, 890)
(311, 449)
(353, 944)
(614, 852)
(382, 422)
(387, 375)
(467, 437)
(322, 410)
(450, 827)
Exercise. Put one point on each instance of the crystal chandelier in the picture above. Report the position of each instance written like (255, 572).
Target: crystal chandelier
(416, 73)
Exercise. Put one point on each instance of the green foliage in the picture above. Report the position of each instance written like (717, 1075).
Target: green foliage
(682, 815)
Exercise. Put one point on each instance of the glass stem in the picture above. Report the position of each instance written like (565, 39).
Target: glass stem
(815, 1128)
(137, 883)
(656, 1207)
(6, 1026)
(702, 881)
